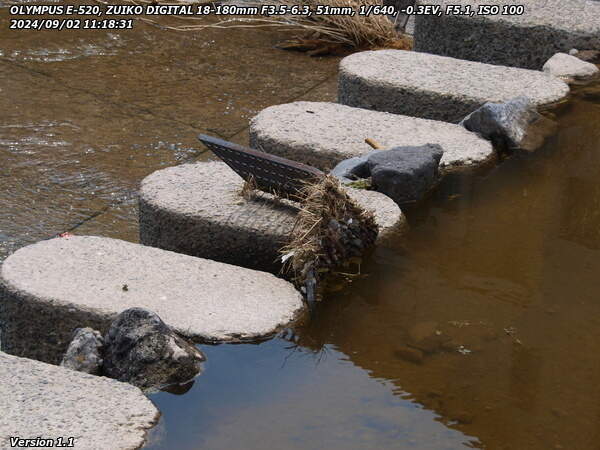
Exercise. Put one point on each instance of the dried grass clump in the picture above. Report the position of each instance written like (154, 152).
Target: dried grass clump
(330, 230)
(249, 188)
(320, 34)
(326, 33)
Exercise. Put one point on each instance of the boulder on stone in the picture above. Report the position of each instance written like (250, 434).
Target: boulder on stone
(512, 124)
(352, 169)
(142, 350)
(570, 68)
(405, 174)
(85, 352)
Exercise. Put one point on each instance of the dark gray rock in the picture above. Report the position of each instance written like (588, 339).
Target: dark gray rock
(85, 352)
(142, 350)
(352, 169)
(512, 124)
(405, 174)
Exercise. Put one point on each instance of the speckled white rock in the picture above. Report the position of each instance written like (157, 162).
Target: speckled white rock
(180, 206)
(38, 399)
(323, 134)
(52, 287)
(570, 68)
(437, 87)
(528, 40)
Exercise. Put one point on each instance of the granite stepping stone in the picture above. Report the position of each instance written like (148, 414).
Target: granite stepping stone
(51, 402)
(323, 134)
(198, 209)
(52, 287)
(546, 27)
(437, 87)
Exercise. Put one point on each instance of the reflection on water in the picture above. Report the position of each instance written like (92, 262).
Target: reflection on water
(480, 328)
(274, 396)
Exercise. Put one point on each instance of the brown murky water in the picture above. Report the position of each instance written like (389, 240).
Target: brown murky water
(479, 328)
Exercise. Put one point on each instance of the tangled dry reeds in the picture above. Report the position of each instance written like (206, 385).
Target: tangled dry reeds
(317, 34)
(330, 230)
(324, 33)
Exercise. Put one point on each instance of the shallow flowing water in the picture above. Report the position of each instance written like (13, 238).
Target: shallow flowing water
(479, 328)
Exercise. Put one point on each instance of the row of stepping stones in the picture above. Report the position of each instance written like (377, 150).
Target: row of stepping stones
(207, 250)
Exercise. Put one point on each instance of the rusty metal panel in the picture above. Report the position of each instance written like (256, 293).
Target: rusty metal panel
(270, 173)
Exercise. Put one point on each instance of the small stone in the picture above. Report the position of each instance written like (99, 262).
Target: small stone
(142, 350)
(570, 68)
(424, 336)
(85, 352)
(513, 124)
(405, 174)
(352, 169)
(410, 354)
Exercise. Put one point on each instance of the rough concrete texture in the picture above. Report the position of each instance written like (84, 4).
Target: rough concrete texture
(198, 209)
(436, 87)
(570, 68)
(323, 134)
(38, 399)
(547, 27)
(52, 287)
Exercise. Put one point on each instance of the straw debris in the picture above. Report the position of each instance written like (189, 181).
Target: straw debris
(330, 230)
(249, 188)
(316, 34)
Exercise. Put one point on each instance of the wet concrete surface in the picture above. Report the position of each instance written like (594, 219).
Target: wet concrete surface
(89, 113)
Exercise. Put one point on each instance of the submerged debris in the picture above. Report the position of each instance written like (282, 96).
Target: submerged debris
(330, 230)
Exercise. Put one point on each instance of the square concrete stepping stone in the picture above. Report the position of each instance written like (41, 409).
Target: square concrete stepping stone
(52, 287)
(546, 27)
(323, 134)
(437, 87)
(198, 209)
(51, 402)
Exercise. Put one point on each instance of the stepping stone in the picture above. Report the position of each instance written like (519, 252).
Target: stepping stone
(529, 40)
(437, 87)
(198, 209)
(52, 287)
(323, 134)
(41, 400)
